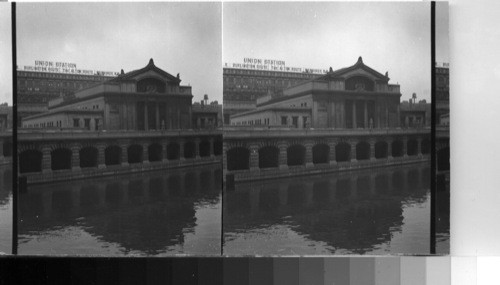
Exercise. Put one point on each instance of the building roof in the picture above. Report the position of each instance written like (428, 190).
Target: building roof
(151, 66)
(358, 65)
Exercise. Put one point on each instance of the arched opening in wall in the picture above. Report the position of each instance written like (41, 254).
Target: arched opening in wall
(217, 147)
(112, 155)
(381, 148)
(88, 157)
(204, 148)
(7, 149)
(238, 158)
(154, 152)
(268, 157)
(362, 151)
(397, 148)
(343, 152)
(134, 153)
(412, 147)
(189, 150)
(443, 159)
(30, 161)
(173, 151)
(60, 159)
(426, 146)
(296, 155)
(321, 153)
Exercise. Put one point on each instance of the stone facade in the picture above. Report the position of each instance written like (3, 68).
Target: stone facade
(144, 99)
(353, 97)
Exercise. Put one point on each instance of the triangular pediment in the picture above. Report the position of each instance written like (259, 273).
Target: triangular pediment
(150, 71)
(358, 69)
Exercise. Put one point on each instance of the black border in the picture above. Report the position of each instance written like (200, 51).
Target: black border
(14, 132)
(433, 129)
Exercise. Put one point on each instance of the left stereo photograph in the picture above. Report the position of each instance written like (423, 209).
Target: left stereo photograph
(119, 129)
(6, 200)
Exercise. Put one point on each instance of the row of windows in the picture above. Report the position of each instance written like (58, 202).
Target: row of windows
(52, 84)
(259, 82)
(269, 73)
(62, 76)
(45, 124)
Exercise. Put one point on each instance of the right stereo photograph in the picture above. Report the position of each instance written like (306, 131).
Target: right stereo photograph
(336, 128)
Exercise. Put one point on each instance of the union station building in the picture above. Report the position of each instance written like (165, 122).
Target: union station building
(144, 99)
(352, 97)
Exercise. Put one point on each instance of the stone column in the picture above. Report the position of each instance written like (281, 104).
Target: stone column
(398, 120)
(75, 157)
(211, 141)
(124, 153)
(181, 149)
(366, 114)
(332, 155)
(157, 114)
(309, 153)
(254, 157)
(372, 149)
(197, 148)
(282, 156)
(146, 117)
(377, 108)
(419, 147)
(178, 118)
(333, 115)
(354, 124)
(145, 153)
(386, 115)
(1, 150)
(101, 159)
(353, 150)
(46, 159)
(405, 147)
(389, 148)
(343, 118)
(164, 151)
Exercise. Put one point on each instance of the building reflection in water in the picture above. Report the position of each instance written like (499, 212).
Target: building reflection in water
(5, 209)
(153, 213)
(350, 213)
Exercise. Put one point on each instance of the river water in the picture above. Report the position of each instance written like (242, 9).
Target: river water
(149, 214)
(376, 211)
(5, 209)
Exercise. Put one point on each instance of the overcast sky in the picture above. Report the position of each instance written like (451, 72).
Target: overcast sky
(182, 38)
(392, 37)
(5, 54)
(186, 38)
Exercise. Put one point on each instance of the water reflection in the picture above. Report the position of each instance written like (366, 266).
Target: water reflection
(443, 213)
(5, 209)
(154, 213)
(377, 211)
